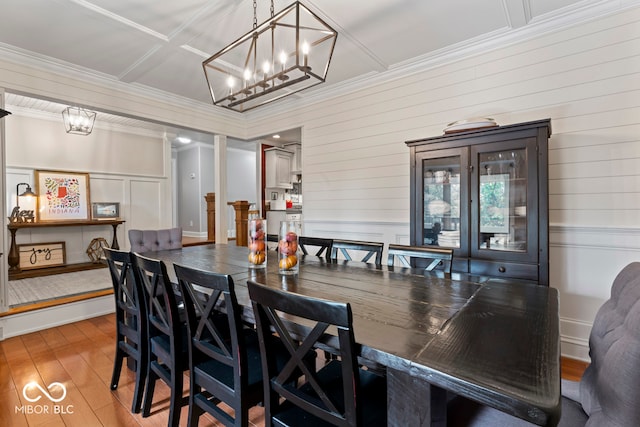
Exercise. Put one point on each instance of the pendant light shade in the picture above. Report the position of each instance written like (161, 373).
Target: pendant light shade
(78, 120)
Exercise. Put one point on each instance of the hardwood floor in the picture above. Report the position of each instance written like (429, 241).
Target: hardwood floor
(573, 369)
(80, 356)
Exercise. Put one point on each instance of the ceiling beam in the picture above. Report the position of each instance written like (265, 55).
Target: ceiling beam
(379, 64)
(517, 12)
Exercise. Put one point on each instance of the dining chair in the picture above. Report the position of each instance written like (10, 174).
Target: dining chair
(131, 318)
(339, 393)
(167, 335)
(609, 390)
(439, 257)
(155, 240)
(224, 355)
(272, 238)
(369, 248)
(323, 246)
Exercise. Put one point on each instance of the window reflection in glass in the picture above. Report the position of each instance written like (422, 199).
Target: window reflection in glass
(503, 200)
(442, 202)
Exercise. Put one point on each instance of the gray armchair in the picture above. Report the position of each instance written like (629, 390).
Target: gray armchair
(609, 392)
(155, 240)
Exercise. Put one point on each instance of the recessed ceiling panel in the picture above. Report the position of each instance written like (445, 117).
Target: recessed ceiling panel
(164, 17)
(540, 7)
(396, 31)
(178, 71)
(71, 33)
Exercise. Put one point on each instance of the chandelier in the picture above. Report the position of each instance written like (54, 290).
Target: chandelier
(78, 120)
(289, 52)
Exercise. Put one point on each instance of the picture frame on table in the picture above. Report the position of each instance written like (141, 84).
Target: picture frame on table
(62, 196)
(105, 210)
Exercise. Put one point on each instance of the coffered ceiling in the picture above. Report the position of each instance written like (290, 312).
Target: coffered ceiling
(159, 45)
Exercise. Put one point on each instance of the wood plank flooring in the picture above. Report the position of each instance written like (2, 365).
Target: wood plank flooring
(80, 356)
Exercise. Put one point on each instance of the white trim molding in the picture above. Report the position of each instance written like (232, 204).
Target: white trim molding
(44, 318)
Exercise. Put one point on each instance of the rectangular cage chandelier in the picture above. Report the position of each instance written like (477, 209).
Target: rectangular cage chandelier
(78, 120)
(289, 52)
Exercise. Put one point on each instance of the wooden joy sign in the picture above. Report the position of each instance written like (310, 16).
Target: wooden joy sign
(41, 255)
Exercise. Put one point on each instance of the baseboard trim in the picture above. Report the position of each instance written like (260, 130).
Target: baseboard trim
(43, 318)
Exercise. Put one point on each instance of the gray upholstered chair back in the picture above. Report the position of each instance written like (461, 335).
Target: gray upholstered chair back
(610, 387)
(155, 240)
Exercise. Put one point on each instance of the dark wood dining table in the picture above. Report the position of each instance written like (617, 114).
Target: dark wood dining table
(493, 341)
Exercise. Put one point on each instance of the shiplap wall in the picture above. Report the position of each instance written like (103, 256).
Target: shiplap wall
(586, 78)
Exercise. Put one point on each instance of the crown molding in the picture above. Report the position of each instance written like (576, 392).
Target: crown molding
(48, 64)
(106, 126)
(561, 19)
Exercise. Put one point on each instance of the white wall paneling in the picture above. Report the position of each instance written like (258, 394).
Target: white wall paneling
(43, 144)
(221, 220)
(189, 188)
(584, 77)
(207, 184)
(146, 205)
(241, 181)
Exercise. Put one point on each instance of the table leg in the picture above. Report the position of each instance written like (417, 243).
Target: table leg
(411, 401)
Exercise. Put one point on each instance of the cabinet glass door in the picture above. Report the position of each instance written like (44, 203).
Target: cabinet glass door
(441, 177)
(502, 188)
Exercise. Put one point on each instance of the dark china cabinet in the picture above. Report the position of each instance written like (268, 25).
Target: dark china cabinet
(484, 193)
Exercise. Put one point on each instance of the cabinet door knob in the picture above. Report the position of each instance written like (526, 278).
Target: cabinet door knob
(501, 269)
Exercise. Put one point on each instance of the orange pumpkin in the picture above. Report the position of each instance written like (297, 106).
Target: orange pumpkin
(256, 246)
(257, 257)
(289, 262)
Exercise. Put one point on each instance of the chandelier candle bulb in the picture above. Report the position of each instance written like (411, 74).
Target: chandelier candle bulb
(283, 59)
(305, 54)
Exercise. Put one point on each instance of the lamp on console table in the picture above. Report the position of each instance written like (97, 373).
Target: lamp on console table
(25, 215)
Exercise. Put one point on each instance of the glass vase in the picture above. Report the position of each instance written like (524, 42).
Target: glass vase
(256, 241)
(288, 247)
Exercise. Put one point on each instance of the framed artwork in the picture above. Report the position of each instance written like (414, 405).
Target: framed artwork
(62, 196)
(105, 210)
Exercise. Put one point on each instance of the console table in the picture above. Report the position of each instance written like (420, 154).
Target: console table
(14, 256)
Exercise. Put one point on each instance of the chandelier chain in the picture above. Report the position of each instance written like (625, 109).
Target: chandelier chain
(255, 14)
